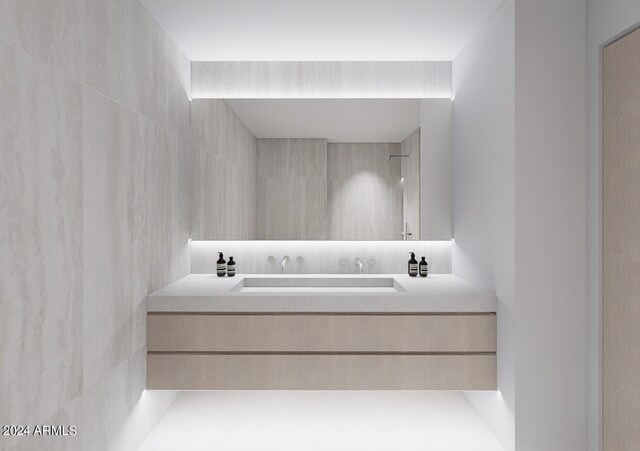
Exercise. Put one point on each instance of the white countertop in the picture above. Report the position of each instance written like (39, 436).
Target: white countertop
(208, 293)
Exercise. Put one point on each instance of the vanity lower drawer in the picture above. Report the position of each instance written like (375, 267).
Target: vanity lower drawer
(320, 372)
(321, 333)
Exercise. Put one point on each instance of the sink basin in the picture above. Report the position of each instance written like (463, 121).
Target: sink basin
(284, 284)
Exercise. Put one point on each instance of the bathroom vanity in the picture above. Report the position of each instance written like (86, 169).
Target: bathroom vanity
(321, 332)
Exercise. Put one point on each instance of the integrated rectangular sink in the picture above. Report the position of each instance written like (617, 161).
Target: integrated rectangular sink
(284, 284)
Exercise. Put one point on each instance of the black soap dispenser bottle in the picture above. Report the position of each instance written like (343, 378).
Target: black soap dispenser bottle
(413, 265)
(424, 268)
(231, 267)
(221, 266)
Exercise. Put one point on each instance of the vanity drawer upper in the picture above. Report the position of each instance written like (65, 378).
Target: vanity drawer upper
(380, 333)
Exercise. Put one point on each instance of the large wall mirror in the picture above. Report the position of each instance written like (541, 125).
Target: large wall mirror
(349, 169)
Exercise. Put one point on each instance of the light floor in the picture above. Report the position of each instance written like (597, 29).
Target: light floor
(321, 420)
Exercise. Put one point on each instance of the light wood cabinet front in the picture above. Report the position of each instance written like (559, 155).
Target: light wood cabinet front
(321, 372)
(321, 333)
(204, 351)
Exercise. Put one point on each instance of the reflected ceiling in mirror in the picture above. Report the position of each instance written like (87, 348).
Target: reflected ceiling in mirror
(336, 120)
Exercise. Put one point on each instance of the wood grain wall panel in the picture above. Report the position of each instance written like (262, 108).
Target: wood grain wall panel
(621, 245)
(320, 79)
(365, 193)
(321, 333)
(320, 372)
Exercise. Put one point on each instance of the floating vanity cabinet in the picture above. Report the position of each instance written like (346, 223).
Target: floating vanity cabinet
(321, 351)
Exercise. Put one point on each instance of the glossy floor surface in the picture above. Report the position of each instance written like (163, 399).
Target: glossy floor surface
(321, 420)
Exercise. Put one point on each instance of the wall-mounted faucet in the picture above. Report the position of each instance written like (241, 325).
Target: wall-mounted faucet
(285, 259)
(358, 262)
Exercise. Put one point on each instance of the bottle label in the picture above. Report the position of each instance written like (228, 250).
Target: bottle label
(413, 267)
(424, 269)
(231, 269)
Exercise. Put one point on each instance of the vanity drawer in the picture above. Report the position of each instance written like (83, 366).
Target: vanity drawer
(321, 333)
(320, 372)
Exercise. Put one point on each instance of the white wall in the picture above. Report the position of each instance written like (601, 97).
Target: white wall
(606, 19)
(551, 211)
(436, 148)
(484, 194)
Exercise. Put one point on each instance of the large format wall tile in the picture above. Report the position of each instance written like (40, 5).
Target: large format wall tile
(292, 208)
(70, 415)
(411, 184)
(41, 235)
(49, 30)
(112, 151)
(224, 173)
(364, 192)
(108, 54)
(292, 189)
(129, 58)
(95, 199)
(292, 158)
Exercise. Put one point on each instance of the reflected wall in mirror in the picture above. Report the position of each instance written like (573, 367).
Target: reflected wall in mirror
(329, 169)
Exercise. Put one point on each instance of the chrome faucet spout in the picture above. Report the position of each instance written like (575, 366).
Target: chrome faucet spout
(285, 259)
(358, 262)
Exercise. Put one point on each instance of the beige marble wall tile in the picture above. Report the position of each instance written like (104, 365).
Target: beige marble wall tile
(138, 209)
(16, 19)
(107, 405)
(292, 158)
(96, 210)
(321, 79)
(41, 234)
(224, 173)
(128, 57)
(174, 92)
(291, 189)
(118, 413)
(70, 415)
(364, 192)
(49, 30)
(113, 218)
(181, 156)
(292, 208)
(108, 54)
(411, 183)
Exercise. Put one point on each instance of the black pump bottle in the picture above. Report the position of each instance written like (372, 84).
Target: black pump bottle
(221, 266)
(413, 265)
